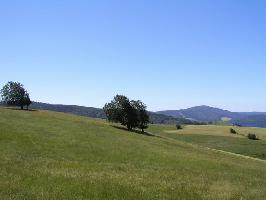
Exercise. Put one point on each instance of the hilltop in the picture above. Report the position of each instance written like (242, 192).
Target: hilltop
(210, 114)
(201, 113)
(51, 155)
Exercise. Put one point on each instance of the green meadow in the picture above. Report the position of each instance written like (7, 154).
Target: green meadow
(49, 155)
(219, 138)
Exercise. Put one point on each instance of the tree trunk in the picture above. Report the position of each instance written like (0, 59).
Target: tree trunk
(21, 107)
(129, 127)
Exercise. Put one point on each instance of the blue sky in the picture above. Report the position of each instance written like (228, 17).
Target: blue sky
(170, 53)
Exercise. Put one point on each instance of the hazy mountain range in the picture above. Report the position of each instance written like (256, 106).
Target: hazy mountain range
(211, 114)
(156, 118)
(184, 116)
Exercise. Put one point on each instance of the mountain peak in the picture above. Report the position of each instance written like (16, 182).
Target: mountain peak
(201, 113)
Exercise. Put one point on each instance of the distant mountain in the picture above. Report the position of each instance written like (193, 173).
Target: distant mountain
(98, 113)
(255, 120)
(194, 115)
(201, 113)
(251, 113)
(164, 119)
(73, 109)
(207, 114)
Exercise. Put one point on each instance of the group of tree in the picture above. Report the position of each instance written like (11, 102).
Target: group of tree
(132, 114)
(14, 94)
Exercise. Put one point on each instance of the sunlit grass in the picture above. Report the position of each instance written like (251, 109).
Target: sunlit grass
(48, 155)
(218, 137)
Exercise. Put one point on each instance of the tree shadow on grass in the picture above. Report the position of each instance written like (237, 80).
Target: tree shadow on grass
(135, 131)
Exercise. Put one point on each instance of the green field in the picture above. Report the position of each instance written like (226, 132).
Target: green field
(219, 138)
(48, 155)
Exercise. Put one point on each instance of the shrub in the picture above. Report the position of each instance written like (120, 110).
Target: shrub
(233, 131)
(236, 124)
(252, 136)
(178, 127)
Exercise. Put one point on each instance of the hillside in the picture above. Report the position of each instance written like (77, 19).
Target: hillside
(73, 109)
(256, 120)
(98, 113)
(192, 115)
(219, 138)
(201, 113)
(210, 114)
(50, 155)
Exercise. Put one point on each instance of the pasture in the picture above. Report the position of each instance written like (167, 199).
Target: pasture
(49, 155)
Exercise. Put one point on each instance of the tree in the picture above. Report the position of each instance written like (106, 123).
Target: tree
(131, 114)
(252, 136)
(114, 110)
(27, 100)
(142, 114)
(233, 131)
(119, 110)
(179, 127)
(14, 94)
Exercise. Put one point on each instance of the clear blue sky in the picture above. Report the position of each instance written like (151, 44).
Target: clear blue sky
(170, 53)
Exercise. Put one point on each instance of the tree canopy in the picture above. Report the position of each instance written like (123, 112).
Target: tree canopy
(14, 94)
(132, 114)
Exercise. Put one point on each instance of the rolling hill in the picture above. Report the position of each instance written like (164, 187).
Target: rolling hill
(211, 114)
(156, 118)
(51, 155)
(192, 115)
(201, 113)
(256, 120)
(73, 109)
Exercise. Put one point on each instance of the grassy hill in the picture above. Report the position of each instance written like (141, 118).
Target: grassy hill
(219, 138)
(49, 155)
(99, 113)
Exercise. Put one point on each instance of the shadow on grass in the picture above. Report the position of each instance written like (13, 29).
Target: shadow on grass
(14, 108)
(135, 131)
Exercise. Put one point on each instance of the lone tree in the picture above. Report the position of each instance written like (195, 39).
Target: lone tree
(131, 114)
(142, 115)
(27, 100)
(14, 94)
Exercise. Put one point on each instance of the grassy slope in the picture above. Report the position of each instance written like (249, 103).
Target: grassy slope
(47, 155)
(218, 137)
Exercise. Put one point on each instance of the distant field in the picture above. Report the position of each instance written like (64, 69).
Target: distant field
(49, 155)
(218, 137)
(226, 119)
